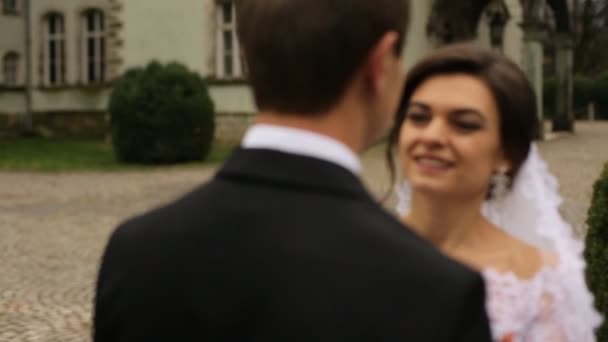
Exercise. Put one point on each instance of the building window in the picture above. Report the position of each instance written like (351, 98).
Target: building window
(9, 6)
(54, 49)
(228, 57)
(93, 47)
(11, 69)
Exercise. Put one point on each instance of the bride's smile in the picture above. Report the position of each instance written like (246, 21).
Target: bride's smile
(432, 165)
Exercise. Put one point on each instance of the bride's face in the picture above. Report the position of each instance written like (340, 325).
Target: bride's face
(450, 142)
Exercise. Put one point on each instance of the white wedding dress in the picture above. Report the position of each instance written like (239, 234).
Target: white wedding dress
(555, 304)
(542, 308)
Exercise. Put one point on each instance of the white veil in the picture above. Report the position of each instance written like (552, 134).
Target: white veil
(530, 211)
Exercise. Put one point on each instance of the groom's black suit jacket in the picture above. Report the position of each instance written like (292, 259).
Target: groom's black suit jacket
(279, 247)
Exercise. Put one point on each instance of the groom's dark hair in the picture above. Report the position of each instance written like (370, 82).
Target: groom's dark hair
(301, 54)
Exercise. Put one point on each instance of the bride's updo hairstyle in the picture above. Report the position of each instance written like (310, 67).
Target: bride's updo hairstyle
(510, 87)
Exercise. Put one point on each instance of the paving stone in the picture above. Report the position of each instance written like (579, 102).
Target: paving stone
(54, 226)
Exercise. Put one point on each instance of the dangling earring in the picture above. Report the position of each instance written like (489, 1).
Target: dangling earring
(500, 185)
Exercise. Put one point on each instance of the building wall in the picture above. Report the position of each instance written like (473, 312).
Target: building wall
(189, 39)
(514, 35)
(418, 43)
(143, 30)
(72, 100)
(158, 29)
(11, 105)
(232, 98)
(74, 95)
(11, 102)
(12, 40)
(483, 32)
(72, 11)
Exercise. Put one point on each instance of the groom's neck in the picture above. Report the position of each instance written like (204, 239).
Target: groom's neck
(341, 126)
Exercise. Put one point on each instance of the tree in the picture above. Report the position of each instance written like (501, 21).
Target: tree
(591, 36)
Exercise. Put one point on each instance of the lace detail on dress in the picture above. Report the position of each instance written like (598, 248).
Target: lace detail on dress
(536, 310)
(555, 305)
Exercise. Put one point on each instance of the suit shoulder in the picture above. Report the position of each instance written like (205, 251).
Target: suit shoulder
(161, 220)
(429, 260)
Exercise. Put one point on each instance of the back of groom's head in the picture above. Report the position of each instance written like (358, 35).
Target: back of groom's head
(302, 54)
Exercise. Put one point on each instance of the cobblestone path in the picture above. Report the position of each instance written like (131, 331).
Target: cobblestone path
(53, 228)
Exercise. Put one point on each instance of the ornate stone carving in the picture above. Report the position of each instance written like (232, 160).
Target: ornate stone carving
(453, 21)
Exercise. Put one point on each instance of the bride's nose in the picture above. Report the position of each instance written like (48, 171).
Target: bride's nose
(435, 133)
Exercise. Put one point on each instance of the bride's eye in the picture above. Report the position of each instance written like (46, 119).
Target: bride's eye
(417, 117)
(467, 121)
(467, 126)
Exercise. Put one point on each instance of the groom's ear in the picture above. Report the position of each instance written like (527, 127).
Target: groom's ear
(380, 62)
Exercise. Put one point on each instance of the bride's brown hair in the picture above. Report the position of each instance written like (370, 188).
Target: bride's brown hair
(510, 87)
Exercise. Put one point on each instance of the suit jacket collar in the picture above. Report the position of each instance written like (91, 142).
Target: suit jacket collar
(291, 171)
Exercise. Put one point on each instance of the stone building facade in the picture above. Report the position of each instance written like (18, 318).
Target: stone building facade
(79, 47)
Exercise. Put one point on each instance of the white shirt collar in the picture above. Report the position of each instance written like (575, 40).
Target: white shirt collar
(301, 142)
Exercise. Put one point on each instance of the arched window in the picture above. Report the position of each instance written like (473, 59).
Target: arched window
(54, 49)
(10, 73)
(93, 46)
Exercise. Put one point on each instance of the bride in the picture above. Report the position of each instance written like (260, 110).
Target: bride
(476, 187)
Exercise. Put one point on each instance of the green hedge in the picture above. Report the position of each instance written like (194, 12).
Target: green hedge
(585, 90)
(596, 249)
(161, 114)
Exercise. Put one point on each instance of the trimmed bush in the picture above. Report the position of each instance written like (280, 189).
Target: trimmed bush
(596, 249)
(585, 91)
(161, 114)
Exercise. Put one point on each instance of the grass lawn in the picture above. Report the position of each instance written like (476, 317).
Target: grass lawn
(54, 155)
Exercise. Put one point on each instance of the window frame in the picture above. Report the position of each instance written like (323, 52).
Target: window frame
(224, 27)
(57, 63)
(98, 35)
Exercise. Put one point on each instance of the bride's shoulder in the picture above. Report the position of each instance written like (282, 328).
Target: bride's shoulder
(522, 259)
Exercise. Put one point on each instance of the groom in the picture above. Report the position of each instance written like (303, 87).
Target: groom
(285, 244)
